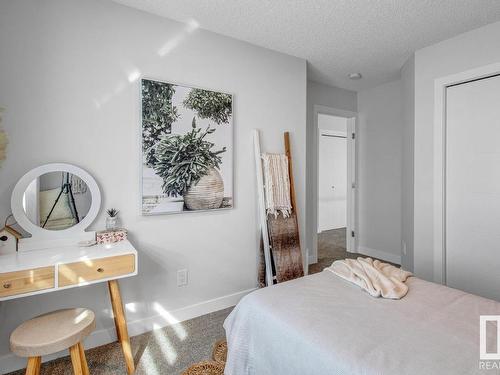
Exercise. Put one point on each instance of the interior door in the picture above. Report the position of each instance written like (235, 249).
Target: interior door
(472, 186)
(332, 202)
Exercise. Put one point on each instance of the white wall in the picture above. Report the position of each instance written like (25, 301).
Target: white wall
(470, 50)
(68, 80)
(407, 170)
(379, 148)
(329, 96)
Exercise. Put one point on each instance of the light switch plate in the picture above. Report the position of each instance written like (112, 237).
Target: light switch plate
(182, 277)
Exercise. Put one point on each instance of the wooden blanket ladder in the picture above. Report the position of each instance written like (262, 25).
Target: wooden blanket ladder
(280, 241)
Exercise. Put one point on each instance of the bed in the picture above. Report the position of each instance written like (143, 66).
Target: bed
(321, 324)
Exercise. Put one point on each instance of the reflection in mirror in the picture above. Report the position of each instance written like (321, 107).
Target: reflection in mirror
(57, 200)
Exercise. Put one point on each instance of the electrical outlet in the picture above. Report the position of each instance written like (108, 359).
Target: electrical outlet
(404, 247)
(182, 277)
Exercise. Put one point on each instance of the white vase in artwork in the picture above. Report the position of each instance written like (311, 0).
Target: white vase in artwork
(207, 194)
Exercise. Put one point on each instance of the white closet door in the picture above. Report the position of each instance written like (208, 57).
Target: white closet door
(473, 187)
(332, 202)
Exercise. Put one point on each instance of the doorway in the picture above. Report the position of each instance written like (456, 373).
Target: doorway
(332, 173)
(336, 188)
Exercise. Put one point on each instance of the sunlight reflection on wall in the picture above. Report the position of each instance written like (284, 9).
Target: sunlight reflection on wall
(172, 43)
(133, 74)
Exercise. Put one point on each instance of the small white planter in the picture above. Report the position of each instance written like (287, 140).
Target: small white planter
(111, 223)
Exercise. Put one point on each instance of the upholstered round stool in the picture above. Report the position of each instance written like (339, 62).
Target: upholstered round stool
(51, 333)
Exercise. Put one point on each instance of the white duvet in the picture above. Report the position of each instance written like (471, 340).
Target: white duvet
(322, 324)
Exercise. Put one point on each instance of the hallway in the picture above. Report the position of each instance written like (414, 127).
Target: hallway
(332, 247)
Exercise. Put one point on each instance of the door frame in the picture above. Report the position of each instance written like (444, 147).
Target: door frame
(440, 86)
(352, 117)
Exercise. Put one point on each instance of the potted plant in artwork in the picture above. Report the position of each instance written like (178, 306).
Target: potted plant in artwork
(188, 165)
(112, 219)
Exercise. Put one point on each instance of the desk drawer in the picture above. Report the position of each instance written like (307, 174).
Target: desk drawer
(95, 269)
(20, 282)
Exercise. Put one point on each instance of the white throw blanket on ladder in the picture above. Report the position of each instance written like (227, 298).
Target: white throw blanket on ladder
(377, 278)
(276, 184)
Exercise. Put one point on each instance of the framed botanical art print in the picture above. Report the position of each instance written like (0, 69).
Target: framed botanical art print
(187, 148)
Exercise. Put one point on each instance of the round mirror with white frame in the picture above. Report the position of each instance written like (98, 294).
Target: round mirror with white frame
(55, 203)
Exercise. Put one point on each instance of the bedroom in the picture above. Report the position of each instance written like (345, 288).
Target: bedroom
(71, 92)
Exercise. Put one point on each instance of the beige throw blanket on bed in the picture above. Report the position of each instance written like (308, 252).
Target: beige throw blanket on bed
(377, 278)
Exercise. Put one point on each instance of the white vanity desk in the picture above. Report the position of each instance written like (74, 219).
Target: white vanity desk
(51, 259)
(43, 271)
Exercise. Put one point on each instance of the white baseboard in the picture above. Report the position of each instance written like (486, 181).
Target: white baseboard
(10, 362)
(384, 255)
(311, 259)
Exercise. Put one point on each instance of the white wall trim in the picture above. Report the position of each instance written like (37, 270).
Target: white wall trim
(311, 260)
(11, 362)
(440, 86)
(352, 222)
(333, 111)
(384, 255)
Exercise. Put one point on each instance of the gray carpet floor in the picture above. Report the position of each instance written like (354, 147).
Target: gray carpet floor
(332, 247)
(166, 351)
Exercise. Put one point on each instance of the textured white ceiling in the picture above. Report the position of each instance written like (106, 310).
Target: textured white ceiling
(336, 37)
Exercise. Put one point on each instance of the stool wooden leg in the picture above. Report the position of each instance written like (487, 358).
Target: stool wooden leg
(38, 365)
(83, 360)
(33, 367)
(74, 351)
(121, 324)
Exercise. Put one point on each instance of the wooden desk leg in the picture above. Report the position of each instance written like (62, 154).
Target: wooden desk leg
(121, 324)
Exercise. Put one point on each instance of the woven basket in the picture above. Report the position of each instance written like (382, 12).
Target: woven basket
(207, 194)
(220, 351)
(205, 368)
